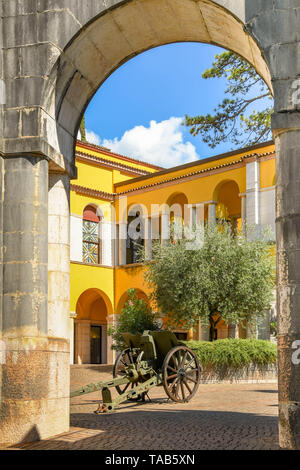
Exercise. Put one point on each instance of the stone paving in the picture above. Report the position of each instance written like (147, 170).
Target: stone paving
(221, 416)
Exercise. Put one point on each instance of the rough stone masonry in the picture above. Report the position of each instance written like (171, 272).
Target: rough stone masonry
(54, 55)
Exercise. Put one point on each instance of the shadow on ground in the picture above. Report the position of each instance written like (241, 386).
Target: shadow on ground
(167, 429)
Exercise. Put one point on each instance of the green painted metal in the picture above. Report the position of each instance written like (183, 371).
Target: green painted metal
(90, 388)
(139, 390)
(148, 350)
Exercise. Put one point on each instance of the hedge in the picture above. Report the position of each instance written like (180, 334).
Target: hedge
(234, 353)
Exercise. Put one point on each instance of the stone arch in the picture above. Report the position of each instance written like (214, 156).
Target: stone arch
(116, 34)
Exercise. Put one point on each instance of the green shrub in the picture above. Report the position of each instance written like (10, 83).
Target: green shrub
(136, 317)
(234, 353)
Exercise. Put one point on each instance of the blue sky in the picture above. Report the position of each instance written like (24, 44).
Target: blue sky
(139, 109)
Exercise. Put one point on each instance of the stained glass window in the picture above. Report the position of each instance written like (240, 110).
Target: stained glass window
(90, 247)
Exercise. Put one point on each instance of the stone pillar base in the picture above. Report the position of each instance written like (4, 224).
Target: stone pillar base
(288, 387)
(289, 428)
(35, 389)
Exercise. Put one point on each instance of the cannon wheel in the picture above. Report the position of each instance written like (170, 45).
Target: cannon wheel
(124, 358)
(181, 374)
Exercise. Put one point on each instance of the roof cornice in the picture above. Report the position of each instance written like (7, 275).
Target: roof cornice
(92, 192)
(235, 163)
(225, 166)
(106, 151)
(81, 156)
(248, 150)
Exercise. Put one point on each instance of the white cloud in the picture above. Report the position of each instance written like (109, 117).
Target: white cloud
(93, 138)
(161, 143)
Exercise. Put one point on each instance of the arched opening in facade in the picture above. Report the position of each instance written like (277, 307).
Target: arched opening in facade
(229, 204)
(177, 203)
(178, 213)
(92, 344)
(124, 298)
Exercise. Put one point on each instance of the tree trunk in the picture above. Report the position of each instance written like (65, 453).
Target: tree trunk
(213, 325)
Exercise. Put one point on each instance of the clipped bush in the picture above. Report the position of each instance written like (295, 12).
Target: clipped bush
(234, 353)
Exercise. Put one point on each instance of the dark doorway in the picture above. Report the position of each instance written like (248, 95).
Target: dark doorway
(96, 341)
(181, 336)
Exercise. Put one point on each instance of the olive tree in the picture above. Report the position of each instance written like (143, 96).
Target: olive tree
(224, 276)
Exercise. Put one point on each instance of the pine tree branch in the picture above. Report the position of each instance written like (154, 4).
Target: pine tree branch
(242, 79)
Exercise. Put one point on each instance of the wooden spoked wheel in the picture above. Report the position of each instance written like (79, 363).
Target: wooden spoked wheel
(181, 374)
(123, 359)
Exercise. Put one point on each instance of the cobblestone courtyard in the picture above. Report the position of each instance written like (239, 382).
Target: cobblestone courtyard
(221, 416)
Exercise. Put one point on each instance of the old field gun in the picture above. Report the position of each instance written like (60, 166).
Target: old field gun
(150, 359)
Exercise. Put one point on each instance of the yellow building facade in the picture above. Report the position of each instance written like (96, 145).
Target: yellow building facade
(112, 190)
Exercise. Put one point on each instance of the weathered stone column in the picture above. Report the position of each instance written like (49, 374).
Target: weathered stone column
(2, 344)
(288, 284)
(59, 285)
(32, 376)
(1, 239)
(59, 255)
(25, 369)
